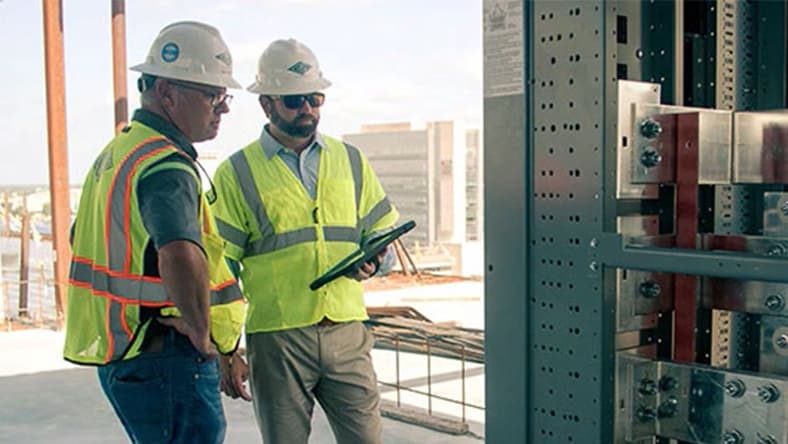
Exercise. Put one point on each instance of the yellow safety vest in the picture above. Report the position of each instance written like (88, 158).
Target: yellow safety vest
(284, 239)
(107, 287)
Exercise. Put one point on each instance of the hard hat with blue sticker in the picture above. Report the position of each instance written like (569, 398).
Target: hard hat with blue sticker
(170, 52)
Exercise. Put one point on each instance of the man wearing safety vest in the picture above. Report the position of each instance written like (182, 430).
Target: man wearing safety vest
(291, 205)
(151, 298)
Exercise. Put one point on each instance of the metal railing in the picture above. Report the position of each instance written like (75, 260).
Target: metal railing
(399, 386)
(408, 334)
(29, 303)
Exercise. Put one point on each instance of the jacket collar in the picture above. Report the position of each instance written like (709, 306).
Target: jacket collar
(168, 130)
(271, 146)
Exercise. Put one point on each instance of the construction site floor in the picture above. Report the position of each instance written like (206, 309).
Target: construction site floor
(44, 399)
(67, 406)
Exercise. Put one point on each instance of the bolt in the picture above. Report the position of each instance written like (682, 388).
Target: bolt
(668, 383)
(735, 388)
(784, 208)
(646, 414)
(647, 387)
(781, 341)
(650, 129)
(668, 408)
(732, 437)
(768, 393)
(766, 439)
(776, 250)
(650, 157)
(594, 243)
(775, 302)
(650, 289)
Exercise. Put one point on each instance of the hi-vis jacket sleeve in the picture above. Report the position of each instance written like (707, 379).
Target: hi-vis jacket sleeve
(376, 212)
(231, 212)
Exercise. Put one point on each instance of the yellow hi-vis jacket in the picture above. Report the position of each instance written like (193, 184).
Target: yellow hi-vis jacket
(284, 239)
(106, 283)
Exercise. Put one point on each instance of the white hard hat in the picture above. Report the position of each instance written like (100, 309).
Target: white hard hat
(288, 67)
(190, 51)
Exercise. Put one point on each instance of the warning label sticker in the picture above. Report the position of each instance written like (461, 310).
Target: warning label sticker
(503, 48)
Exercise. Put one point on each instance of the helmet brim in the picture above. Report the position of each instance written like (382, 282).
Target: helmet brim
(221, 81)
(300, 88)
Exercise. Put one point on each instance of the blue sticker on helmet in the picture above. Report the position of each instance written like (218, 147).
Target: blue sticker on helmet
(170, 52)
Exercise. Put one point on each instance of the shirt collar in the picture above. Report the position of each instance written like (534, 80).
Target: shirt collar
(272, 146)
(168, 130)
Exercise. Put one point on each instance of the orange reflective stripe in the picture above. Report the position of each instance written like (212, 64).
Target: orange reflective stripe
(224, 284)
(117, 225)
(108, 207)
(123, 288)
(84, 260)
(116, 298)
(110, 336)
(123, 321)
(206, 224)
(131, 289)
(119, 341)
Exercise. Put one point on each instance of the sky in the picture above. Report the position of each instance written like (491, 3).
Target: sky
(389, 61)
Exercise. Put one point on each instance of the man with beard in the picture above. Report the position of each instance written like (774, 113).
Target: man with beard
(291, 205)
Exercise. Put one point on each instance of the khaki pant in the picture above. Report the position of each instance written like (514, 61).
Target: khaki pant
(290, 368)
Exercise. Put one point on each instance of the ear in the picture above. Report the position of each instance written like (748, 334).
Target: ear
(165, 94)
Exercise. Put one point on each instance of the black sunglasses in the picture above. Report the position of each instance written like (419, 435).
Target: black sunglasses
(296, 101)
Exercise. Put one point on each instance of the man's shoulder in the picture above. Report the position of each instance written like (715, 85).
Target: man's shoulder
(226, 165)
(333, 142)
(329, 140)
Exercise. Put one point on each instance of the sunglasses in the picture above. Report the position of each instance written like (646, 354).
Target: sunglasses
(296, 101)
(217, 98)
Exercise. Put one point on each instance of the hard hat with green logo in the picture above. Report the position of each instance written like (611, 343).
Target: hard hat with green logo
(190, 51)
(288, 67)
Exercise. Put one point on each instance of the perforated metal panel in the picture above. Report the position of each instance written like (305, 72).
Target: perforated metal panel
(569, 321)
(551, 204)
(734, 209)
(772, 45)
(736, 67)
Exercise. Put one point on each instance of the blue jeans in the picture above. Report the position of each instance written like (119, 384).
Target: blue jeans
(169, 396)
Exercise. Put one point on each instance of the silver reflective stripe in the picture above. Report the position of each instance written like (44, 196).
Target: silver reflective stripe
(118, 212)
(226, 295)
(119, 337)
(354, 156)
(381, 209)
(278, 241)
(231, 234)
(271, 241)
(134, 290)
(137, 291)
(245, 179)
(341, 234)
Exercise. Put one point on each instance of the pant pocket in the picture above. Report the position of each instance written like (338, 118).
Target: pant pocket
(142, 400)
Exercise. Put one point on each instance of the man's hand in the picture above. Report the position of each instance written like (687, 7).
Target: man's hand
(234, 372)
(184, 273)
(368, 268)
(200, 340)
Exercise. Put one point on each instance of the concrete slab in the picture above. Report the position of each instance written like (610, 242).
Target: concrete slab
(44, 399)
(68, 406)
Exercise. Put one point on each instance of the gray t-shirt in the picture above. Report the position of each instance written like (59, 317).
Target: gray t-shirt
(168, 199)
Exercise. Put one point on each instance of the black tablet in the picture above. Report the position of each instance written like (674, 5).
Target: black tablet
(369, 250)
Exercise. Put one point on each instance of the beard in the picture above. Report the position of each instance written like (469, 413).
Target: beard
(303, 125)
